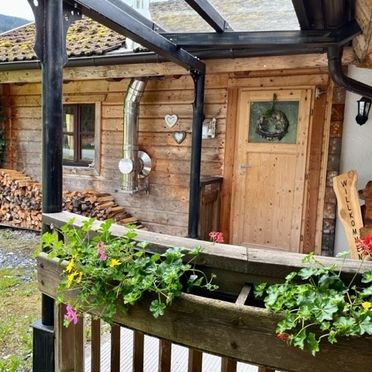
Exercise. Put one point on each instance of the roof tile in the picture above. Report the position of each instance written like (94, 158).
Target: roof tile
(85, 37)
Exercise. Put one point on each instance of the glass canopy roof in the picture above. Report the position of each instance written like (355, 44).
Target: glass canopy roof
(241, 15)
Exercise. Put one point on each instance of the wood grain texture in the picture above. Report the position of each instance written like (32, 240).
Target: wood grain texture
(313, 169)
(168, 68)
(244, 333)
(115, 348)
(195, 361)
(165, 356)
(95, 354)
(165, 208)
(138, 351)
(348, 208)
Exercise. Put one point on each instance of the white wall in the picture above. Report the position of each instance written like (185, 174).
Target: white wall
(356, 150)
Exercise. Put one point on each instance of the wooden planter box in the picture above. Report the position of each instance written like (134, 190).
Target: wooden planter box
(242, 332)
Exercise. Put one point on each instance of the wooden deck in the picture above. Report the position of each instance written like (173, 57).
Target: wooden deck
(211, 363)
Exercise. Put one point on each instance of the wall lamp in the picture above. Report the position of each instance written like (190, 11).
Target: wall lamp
(364, 105)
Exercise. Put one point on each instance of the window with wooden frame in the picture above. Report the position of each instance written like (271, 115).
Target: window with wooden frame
(79, 135)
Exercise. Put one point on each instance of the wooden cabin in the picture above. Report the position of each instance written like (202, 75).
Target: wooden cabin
(272, 121)
(288, 200)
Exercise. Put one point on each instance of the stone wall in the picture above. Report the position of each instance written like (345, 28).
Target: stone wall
(333, 169)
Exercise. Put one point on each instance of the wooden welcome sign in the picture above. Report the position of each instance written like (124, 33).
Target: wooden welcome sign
(349, 212)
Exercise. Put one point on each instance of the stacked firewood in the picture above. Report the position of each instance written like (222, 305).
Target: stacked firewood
(20, 200)
(91, 203)
(20, 203)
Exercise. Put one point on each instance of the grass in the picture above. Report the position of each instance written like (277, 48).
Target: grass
(20, 308)
(20, 305)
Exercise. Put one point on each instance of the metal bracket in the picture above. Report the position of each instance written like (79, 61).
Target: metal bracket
(70, 15)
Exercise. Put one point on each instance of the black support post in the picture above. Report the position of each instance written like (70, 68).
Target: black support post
(51, 21)
(196, 145)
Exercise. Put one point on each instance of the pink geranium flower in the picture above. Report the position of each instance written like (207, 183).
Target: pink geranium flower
(216, 236)
(101, 251)
(71, 315)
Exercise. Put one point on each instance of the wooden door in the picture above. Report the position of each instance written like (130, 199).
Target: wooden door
(269, 168)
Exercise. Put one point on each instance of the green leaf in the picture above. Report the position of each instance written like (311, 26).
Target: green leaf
(366, 326)
(299, 339)
(155, 257)
(345, 325)
(367, 291)
(290, 276)
(325, 326)
(367, 277)
(259, 290)
(332, 337)
(157, 308)
(327, 312)
(312, 343)
(309, 258)
(343, 254)
(307, 272)
(195, 251)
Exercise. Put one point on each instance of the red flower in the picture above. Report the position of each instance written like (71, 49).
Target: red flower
(216, 236)
(364, 245)
(282, 336)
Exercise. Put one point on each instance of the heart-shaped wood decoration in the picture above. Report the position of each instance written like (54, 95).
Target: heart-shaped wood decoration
(171, 120)
(179, 136)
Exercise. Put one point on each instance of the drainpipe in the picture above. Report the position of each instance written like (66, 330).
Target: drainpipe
(338, 76)
(135, 164)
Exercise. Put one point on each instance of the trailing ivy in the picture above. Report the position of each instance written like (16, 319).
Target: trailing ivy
(317, 305)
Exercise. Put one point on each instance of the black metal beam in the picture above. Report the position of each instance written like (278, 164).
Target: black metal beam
(108, 14)
(301, 13)
(147, 22)
(209, 13)
(196, 147)
(52, 19)
(267, 39)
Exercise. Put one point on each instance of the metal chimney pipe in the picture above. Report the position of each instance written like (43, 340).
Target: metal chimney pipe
(130, 164)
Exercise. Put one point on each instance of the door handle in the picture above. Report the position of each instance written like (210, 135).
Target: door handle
(243, 167)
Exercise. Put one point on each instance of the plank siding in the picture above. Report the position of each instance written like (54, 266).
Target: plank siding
(165, 207)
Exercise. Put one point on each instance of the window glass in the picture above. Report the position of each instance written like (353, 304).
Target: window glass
(79, 134)
(87, 147)
(273, 122)
(68, 147)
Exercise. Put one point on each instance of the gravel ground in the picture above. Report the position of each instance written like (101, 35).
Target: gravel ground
(17, 247)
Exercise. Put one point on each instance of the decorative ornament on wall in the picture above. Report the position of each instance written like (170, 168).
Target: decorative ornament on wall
(179, 136)
(170, 120)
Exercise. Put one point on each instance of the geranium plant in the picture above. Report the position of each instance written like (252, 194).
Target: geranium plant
(318, 305)
(105, 274)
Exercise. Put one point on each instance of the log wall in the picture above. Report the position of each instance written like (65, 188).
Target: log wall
(165, 207)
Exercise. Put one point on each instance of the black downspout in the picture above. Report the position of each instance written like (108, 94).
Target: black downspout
(51, 26)
(196, 145)
(338, 76)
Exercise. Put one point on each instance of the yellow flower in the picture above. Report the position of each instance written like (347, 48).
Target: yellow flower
(79, 275)
(70, 265)
(366, 305)
(114, 262)
(70, 279)
(75, 276)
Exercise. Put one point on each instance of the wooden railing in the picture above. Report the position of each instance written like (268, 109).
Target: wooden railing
(234, 329)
